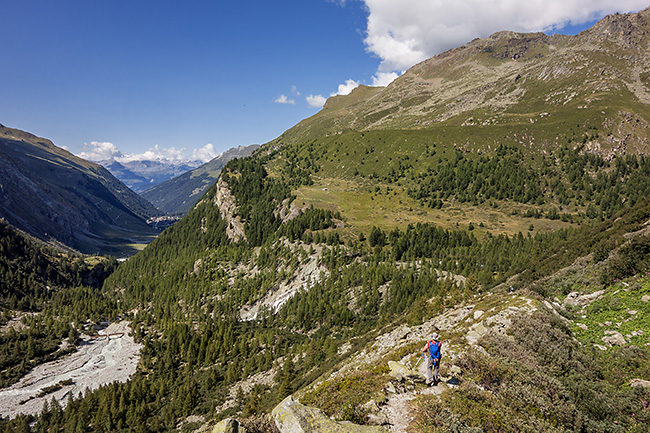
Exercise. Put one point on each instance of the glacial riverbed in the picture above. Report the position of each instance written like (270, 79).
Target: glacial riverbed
(98, 361)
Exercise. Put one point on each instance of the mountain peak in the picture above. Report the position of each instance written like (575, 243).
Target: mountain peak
(628, 30)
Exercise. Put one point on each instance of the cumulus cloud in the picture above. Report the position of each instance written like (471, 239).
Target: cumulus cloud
(383, 79)
(205, 153)
(282, 99)
(406, 32)
(100, 151)
(156, 153)
(316, 101)
(346, 88)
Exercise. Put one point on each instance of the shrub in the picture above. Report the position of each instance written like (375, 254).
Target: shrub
(342, 398)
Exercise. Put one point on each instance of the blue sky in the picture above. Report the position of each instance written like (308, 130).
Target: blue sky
(178, 78)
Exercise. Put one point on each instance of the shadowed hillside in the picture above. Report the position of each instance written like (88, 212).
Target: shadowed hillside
(54, 195)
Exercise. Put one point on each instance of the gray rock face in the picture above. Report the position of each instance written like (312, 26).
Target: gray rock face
(293, 417)
(228, 211)
(228, 425)
(614, 338)
(401, 372)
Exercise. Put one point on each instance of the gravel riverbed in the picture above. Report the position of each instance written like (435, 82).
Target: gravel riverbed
(97, 361)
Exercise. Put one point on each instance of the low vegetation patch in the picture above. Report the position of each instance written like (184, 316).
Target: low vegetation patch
(342, 398)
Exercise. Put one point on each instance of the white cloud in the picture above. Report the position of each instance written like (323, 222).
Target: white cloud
(346, 88)
(156, 153)
(403, 33)
(205, 153)
(383, 79)
(316, 101)
(295, 91)
(100, 151)
(105, 151)
(282, 99)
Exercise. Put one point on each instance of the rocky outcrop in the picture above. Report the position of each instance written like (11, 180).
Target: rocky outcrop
(229, 425)
(288, 210)
(306, 276)
(400, 371)
(293, 417)
(225, 201)
(640, 383)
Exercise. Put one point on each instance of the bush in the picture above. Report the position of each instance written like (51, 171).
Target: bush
(260, 424)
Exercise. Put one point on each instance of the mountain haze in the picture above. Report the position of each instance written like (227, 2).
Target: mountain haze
(56, 196)
(141, 175)
(179, 194)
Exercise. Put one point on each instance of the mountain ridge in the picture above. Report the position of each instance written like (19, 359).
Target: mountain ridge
(488, 77)
(144, 174)
(514, 223)
(76, 202)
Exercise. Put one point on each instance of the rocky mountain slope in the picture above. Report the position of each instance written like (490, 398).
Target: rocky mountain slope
(502, 127)
(302, 286)
(54, 195)
(513, 82)
(179, 194)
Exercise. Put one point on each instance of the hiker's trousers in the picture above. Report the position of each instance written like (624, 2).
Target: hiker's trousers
(433, 365)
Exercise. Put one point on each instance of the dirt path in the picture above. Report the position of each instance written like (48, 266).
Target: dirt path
(98, 361)
(398, 407)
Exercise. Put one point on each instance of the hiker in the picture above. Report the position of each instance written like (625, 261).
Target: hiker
(434, 347)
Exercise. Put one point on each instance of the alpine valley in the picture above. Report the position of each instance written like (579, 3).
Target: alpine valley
(496, 194)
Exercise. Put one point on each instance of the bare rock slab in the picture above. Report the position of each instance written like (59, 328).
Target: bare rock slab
(229, 425)
(293, 417)
(640, 382)
(400, 371)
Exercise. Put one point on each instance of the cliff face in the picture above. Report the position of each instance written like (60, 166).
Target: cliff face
(224, 200)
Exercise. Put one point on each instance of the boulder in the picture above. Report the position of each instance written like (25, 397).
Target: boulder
(614, 338)
(640, 382)
(293, 417)
(378, 419)
(455, 370)
(400, 371)
(228, 425)
(370, 406)
(477, 331)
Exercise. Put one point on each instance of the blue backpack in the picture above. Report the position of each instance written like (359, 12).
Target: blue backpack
(434, 349)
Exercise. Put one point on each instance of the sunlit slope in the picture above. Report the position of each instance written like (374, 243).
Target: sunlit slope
(521, 83)
(509, 125)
